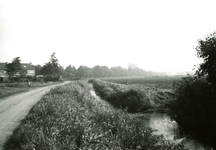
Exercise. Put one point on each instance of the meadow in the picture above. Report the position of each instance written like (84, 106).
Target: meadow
(69, 117)
(7, 89)
(163, 82)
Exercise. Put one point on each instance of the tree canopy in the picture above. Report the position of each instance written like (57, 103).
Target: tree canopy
(13, 67)
(70, 72)
(194, 102)
(52, 68)
(103, 71)
(207, 51)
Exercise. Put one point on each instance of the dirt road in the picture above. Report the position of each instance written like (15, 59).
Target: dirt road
(13, 109)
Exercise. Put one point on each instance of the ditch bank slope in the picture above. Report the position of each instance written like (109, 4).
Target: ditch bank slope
(13, 109)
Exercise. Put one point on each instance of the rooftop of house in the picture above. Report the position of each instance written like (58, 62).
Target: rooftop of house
(27, 66)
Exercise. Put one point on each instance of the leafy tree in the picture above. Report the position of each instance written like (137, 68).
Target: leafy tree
(101, 71)
(38, 69)
(106, 71)
(97, 71)
(118, 71)
(207, 51)
(83, 72)
(52, 69)
(23, 72)
(195, 97)
(70, 72)
(13, 67)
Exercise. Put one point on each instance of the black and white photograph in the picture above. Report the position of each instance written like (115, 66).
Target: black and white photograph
(107, 75)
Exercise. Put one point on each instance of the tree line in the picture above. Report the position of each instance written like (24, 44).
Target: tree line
(52, 70)
(99, 71)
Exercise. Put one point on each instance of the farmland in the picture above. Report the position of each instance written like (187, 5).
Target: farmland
(163, 82)
(69, 117)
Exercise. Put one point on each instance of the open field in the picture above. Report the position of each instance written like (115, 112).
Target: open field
(69, 117)
(7, 89)
(163, 82)
(134, 97)
(142, 80)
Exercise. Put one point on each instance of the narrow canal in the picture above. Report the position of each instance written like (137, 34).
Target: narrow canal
(163, 125)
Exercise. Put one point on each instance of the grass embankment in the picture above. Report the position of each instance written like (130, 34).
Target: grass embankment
(69, 117)
(136, 98)
(7, 89)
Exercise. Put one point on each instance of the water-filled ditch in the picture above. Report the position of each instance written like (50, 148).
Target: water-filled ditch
(163, 125)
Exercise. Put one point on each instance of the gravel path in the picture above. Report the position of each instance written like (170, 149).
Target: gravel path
(14, 109)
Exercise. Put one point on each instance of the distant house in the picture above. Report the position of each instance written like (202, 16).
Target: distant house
(3, 74)
(30, 69)
(28, 66)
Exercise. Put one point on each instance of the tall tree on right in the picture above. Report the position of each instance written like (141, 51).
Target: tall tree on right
(207, 51)
(194, 102)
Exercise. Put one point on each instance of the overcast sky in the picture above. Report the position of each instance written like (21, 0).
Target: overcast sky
(158, 35)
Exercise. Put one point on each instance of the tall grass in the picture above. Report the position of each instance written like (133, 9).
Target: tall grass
(69, 117)
(134, 98)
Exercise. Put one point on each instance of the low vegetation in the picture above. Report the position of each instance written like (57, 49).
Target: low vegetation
(7, 89)
(135, 98)
(69, 117)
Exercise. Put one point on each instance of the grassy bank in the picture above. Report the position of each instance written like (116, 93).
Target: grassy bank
(7, 89)
(136, 98)
(69, 117)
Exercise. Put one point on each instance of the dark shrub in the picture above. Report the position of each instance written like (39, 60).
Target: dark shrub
(194, 108)
(30, 78)
(132, 100)
(50, 78)
(1, 79)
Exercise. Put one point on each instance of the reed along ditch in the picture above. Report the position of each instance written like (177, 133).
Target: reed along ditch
(163, 125)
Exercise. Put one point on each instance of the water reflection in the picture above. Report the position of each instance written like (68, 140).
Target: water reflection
(93, 93)
(163, 125)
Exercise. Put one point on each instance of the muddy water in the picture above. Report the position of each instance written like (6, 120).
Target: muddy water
(163, 125)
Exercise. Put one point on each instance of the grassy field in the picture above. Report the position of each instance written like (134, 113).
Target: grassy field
(69, 117)
(7, 89)
(134, 97)
(163, 82)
